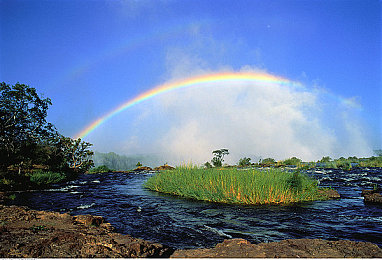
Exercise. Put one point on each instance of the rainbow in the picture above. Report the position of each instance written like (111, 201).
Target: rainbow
(185, 83)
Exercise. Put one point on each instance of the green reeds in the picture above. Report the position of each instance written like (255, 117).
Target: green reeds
(236, 186)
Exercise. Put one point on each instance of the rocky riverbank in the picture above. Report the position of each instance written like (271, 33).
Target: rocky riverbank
(30, 233)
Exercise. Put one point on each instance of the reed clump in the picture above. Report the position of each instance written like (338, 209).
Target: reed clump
(254, 186)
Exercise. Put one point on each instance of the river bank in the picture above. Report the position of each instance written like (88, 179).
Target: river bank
(31, 233)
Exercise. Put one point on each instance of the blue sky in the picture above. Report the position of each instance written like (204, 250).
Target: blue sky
(91, 56)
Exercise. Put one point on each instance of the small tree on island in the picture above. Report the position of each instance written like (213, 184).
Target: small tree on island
(218, 160)
(139, 164)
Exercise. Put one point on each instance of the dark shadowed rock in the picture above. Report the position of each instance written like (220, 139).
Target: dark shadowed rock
(372, 196)
(291, 248)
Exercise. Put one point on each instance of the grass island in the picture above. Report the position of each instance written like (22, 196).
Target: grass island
(236, 186)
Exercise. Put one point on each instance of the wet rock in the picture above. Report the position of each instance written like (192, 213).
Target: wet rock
(372, 196)
(291, 248)
(164, 168)
(329, 193)
(31, 233)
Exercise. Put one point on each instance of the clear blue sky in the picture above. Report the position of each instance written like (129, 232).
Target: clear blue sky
(90, 56)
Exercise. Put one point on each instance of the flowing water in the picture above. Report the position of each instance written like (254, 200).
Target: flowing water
(183, 223)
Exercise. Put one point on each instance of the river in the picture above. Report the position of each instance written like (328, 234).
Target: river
(184, 223)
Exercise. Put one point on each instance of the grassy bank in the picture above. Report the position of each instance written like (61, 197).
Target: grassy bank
(236, 186)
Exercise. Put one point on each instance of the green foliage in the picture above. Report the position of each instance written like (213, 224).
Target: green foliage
(207, 165)
(236, 186)
(46, 177)
(138, 164)
(100, 169)
(77, 153)
(325, 159)
(268, 161)
(243, 162)
(27, 139)
(292, 161)
(218, 158)
(23, 124)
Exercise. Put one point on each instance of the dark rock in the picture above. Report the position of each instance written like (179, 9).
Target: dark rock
(291, 248)
(372, 196)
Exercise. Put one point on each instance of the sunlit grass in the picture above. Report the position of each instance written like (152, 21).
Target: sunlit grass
(231, 185)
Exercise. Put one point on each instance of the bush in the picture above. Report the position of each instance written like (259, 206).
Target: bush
(41, 177)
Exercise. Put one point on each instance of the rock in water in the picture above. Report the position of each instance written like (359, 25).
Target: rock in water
(372, 196)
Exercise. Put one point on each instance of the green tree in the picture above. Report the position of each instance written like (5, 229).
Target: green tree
(77, 154)
(325, 159)
(139, 164)
(218, 158)
(292, 161)
(23, 125)
(245, 162)
(268, 161)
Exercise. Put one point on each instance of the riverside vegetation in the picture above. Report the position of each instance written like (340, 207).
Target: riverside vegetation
(32, 152)
(231, 185)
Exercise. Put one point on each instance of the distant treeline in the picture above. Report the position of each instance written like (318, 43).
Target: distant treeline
(124, 163)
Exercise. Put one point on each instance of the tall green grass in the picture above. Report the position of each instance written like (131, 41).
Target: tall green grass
(46, 177)
(236, 186)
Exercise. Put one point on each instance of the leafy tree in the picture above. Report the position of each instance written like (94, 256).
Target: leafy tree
(292, 161)
(325, 159)
(268, 161)
(139, 164)
(218, 160)
(23, 125)
(77, 154)
(244, 162)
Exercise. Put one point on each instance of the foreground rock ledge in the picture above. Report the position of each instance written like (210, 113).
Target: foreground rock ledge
(31, 233)
(291, 248)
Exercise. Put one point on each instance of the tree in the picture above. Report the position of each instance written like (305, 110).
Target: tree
(268, 161)
(139, 164)
(292, 161)
(218, 160)
(245, 162)
(77, 154)
(325, 159)
(23, 125)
